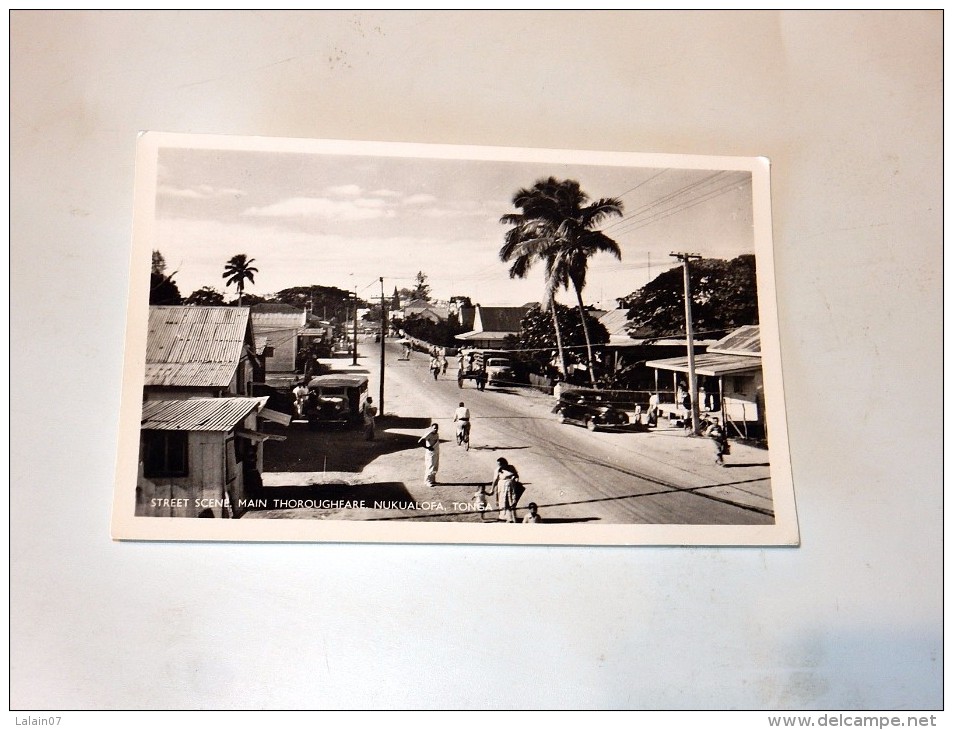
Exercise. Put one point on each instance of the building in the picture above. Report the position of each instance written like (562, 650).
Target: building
(196, 351)
(626, 353)
(200, 457)
(427, 310)
(491, 325)
(282, 324)
(730, 369)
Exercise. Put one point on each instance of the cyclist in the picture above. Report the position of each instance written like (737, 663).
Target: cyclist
(462, 418)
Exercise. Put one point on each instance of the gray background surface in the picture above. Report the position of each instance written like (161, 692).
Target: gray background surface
(846, 105)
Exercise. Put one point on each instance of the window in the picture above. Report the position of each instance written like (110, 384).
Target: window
(166, 453)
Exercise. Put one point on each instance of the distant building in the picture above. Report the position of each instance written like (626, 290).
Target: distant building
(428, 310)
(282, 324)
(491, 325)
(194, 351)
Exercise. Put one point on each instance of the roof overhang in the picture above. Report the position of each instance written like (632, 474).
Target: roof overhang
(713, 364)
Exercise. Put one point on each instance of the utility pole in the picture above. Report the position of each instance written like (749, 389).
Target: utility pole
(380, 399)
(354, 361)
(685, 258)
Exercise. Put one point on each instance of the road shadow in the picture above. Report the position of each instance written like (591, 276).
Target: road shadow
(498, 448)
(331, 449)
(742, 466)
(567, 520)
(408, 422)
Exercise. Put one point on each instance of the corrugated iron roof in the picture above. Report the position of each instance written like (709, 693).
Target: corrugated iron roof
(198, 414)
(615, 321)
(190, 374)
(190, 334)
(265, 321)
(501, 319)
(711, 363)
(743, 341)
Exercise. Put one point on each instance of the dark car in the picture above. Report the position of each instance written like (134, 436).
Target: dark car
(589, 409)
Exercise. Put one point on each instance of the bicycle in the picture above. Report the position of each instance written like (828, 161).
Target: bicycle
(463, 435)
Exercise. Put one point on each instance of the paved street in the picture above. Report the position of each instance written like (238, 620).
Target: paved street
(575, 476)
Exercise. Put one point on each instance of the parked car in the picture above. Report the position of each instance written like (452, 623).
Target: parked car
(499, 371)
(336, 399)
(589, 408)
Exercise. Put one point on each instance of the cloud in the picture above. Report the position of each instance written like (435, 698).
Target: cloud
(324, 208)
(199, 192)
(419, 199)
(344, 190)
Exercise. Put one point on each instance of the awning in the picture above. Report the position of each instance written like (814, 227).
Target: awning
(711, 363)
(474, 335)
(258, 435)
(276, 416)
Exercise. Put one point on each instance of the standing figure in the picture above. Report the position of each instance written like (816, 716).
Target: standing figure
(653, 409)
(460, 362)
(444, 364)
(720, 438)
(369, 412)
(301, 394)
(434, 366)
(481, 379)
(431, 442)
(504, 482)
(479, 501)
(533, 515)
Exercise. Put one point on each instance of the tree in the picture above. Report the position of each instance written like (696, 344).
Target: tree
(556, 226)
(158, 262)
(724, 297)
(162, 290)
(421, 289)
(535, 343)
(327, 302)
(206, 297)
(238, 269)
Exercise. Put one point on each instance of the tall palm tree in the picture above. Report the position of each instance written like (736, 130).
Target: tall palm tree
(237, 270)
(556, 226)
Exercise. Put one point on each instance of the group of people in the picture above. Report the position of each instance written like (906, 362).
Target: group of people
(505, 485)
(438, 364)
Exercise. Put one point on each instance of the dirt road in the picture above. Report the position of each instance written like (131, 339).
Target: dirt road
(574, 475)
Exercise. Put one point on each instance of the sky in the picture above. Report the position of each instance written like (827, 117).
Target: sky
(345, 220)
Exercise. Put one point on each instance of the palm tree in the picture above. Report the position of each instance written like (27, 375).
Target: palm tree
(237, 270)
(556, 227)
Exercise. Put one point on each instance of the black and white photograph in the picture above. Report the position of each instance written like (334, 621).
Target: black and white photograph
(368, 341)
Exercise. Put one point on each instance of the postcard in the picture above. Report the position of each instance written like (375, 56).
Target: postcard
(378, 342)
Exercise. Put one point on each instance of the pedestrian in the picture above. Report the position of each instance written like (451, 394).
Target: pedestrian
(505, 479)
(431, 443)
(435, 366)
(369, 412)
(480, 502)
(720, 438)
(481, 379)
(653, 409)
(460, 362)
(533, 515)
(444, 363)
(301, 394)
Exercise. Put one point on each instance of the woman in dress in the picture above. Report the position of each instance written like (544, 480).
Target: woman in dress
(504, 480)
